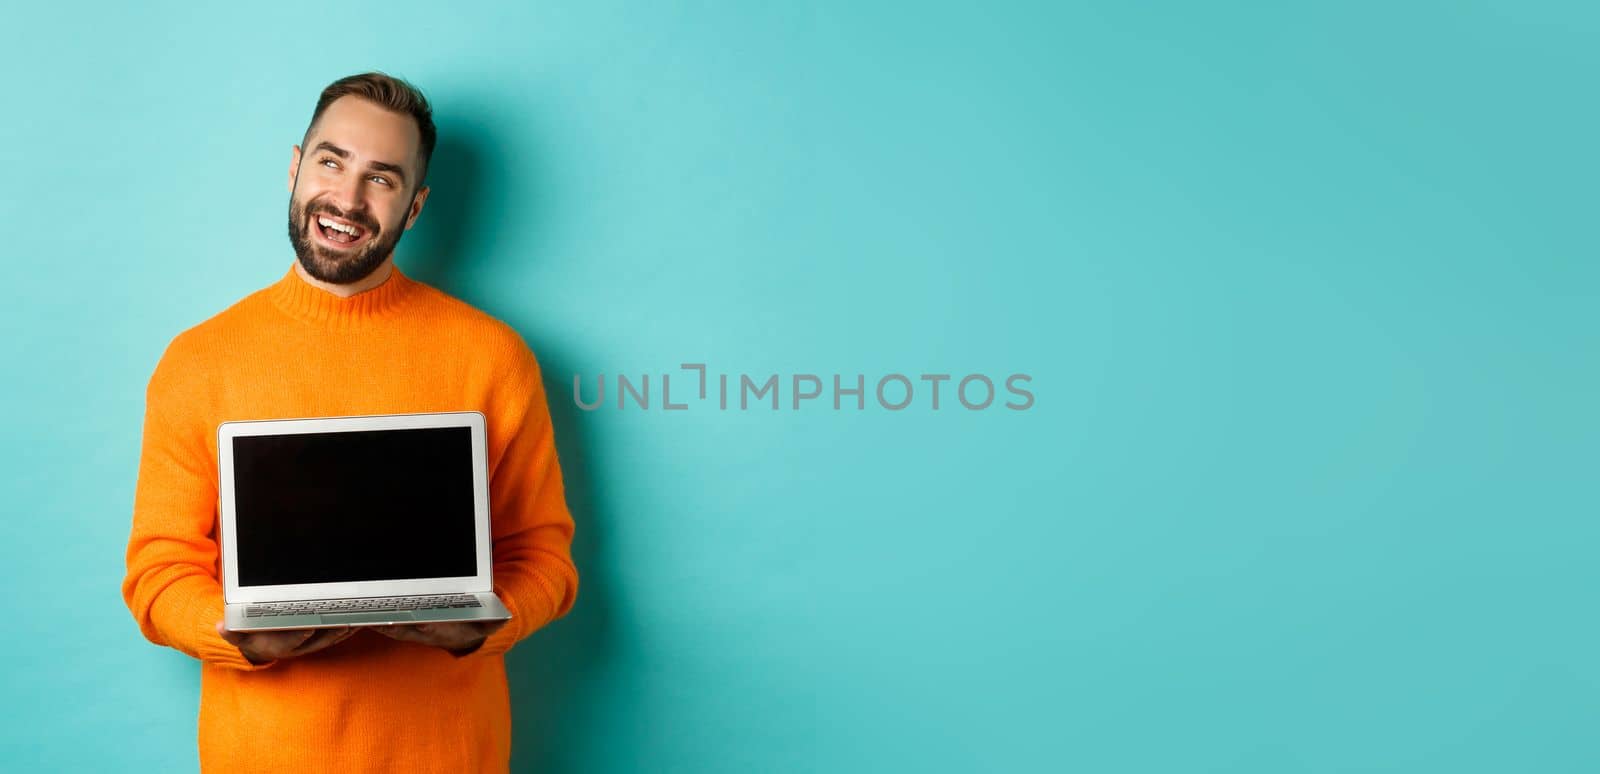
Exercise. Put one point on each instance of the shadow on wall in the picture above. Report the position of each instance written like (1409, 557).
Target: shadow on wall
(446, 241)
(550, 672)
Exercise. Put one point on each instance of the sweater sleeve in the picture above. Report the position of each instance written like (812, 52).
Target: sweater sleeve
(532, 528)
(171, 585)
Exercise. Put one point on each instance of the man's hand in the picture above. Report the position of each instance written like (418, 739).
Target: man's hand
(260, 647)
(459, 637)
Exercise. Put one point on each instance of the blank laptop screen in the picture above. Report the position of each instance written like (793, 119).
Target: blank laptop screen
(354, 506)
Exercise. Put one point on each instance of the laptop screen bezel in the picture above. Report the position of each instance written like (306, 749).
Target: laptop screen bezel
(233, 593)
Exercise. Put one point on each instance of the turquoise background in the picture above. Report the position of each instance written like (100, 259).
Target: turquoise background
(1307, 291)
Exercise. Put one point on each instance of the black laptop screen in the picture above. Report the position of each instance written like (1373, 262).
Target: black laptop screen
(354, 506)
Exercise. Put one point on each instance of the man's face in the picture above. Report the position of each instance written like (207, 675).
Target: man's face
(359, 170)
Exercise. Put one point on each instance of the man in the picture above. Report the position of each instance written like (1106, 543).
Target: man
(344, 332)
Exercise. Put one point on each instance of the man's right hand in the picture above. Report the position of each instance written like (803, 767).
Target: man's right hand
(260, 647)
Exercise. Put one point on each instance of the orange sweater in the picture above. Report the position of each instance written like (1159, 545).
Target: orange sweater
(370, 703)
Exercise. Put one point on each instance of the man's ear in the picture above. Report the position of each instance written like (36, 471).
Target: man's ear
(416, 206)
(294, 167)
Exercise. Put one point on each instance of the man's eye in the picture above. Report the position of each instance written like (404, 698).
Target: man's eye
(378, 178)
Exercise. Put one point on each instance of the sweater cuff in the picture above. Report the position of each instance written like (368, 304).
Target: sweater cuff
(199, 613)
(529, 612)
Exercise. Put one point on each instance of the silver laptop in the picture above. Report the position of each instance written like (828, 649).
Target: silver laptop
(355, 521)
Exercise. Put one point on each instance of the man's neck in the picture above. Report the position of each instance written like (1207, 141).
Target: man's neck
(364, 284)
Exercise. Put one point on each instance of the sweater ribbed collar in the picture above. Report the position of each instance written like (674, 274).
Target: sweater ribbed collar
(304, 301)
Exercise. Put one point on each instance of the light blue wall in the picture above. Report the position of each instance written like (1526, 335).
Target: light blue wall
(1308, 294)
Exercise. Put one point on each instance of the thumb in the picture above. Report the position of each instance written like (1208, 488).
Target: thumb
(233, 638)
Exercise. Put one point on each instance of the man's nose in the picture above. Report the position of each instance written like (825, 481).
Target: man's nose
(351, 194)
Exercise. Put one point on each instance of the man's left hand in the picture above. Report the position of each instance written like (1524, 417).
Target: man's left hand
(458, 637)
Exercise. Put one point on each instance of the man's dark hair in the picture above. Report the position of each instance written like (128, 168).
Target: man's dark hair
(391, 94)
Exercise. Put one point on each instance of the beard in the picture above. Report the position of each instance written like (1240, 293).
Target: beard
(340, 267)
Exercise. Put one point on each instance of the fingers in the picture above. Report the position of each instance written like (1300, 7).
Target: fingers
(279, 644)
(321, 638)
(450, 635)
(272, 640)
(406, 632)
(329, 638)
(422, 634)
(268, 645)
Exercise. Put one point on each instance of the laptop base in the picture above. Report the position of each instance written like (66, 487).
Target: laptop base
(236, 618)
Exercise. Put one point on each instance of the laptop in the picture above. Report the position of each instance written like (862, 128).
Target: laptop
(355, 521)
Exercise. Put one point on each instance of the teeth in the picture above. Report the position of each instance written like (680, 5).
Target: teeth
(337, 226)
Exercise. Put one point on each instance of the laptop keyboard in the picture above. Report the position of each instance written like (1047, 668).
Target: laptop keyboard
(373, 605)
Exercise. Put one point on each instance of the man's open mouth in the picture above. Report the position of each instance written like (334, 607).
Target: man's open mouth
(338, 232)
